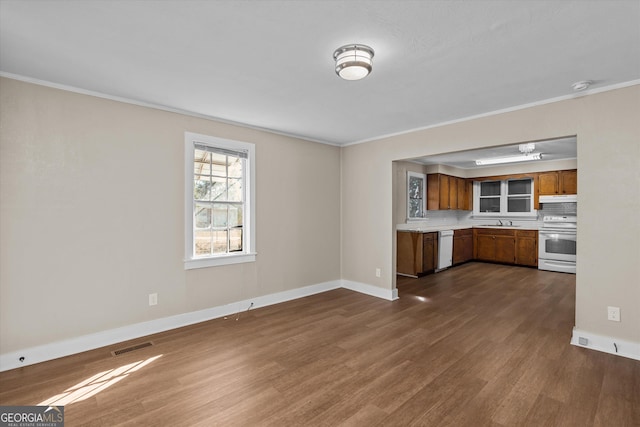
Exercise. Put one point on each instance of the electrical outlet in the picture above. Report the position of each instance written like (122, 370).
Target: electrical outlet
(613, 314)
(377, 272)
(153, 299)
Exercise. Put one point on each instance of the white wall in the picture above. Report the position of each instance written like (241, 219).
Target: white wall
(92, 217)
(608, 135)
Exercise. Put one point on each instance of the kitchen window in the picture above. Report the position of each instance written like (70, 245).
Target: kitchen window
(219, 201)
(416, 195)
(512, 197)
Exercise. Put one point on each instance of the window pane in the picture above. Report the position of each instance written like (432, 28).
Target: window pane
(235, 240)
(219, 215)
(219, 189)
(201, 156)
(520, 186)
(415, 208)
(220, 242)
(219, 164)
(415, 188)
(202, 242)
(235, 215)
(235, 167)
(490, 188)
(519, 204)
(202, 168)
(235, 190)
(202, 217)
(490, 204)
(201, 188)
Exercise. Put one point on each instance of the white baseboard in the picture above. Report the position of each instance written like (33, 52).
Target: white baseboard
(605, 344)
(71, 346)
(363, 288)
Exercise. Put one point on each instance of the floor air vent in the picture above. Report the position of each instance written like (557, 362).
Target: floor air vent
(132, 348)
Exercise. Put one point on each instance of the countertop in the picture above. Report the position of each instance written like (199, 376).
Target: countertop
(436, 228)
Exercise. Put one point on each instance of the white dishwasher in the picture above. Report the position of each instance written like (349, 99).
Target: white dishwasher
(445, 249)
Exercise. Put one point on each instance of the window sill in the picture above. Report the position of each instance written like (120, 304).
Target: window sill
(193, 263)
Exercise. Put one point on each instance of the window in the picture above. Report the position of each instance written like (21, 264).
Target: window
(416, 184)
(219, 201)
(512, 197)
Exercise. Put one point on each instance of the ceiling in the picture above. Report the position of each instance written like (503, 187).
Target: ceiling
(269, 64)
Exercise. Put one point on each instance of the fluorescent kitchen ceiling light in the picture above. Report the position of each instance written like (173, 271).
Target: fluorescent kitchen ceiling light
(510, 159)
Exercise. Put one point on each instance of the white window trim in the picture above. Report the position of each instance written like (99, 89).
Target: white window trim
(503, 202)
(423, 177)
(249, 234)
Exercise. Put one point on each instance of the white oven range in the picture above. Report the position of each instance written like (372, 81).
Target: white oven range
(557, 244)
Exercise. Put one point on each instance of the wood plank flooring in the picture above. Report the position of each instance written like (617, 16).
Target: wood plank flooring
(475, 345)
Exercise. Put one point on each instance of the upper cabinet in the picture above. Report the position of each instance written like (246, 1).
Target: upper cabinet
(448, 192)
(558, 182)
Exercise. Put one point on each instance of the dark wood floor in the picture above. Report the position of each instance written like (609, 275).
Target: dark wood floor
(475, 345)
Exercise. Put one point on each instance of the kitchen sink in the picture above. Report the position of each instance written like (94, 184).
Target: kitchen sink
(497, 225)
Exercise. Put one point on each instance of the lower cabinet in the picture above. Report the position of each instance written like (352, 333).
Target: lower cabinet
(518, 247)
(495, 245)
(527, 247)
(462, 245)
(417, 253)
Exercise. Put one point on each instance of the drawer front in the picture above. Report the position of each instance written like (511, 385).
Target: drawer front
(463, 232)
(494, 232)
(429, 236)
(526, 233)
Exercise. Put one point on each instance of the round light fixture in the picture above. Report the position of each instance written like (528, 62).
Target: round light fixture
(581, 85)
(353, 61)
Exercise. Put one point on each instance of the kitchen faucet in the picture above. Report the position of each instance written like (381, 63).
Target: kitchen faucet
(499, 222)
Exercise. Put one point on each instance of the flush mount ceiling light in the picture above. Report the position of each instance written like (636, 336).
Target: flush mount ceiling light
(582, 85)
(353, 61)
(526, 149)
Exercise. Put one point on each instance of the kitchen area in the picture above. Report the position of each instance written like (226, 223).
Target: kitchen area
(518, 210)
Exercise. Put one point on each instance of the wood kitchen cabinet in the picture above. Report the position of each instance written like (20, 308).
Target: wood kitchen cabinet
(527, 248)
(417, 253)
(462, 245)
(558, 182)
(448, 192)
(494, 245)
(510, 246)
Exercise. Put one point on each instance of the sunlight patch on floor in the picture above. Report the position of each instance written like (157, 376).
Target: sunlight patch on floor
(95, 384)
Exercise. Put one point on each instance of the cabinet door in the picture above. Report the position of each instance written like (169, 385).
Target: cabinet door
(433, 191)
(458, 249)
(548, 183)
(468, 247)
(485, 248)
(527, 251)
(569, 182)
(453, 192)
(429, 242)
(462, 193)
(407, 246)
(462, 249)
(505, 249)
(468, 201)
(444, 191)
